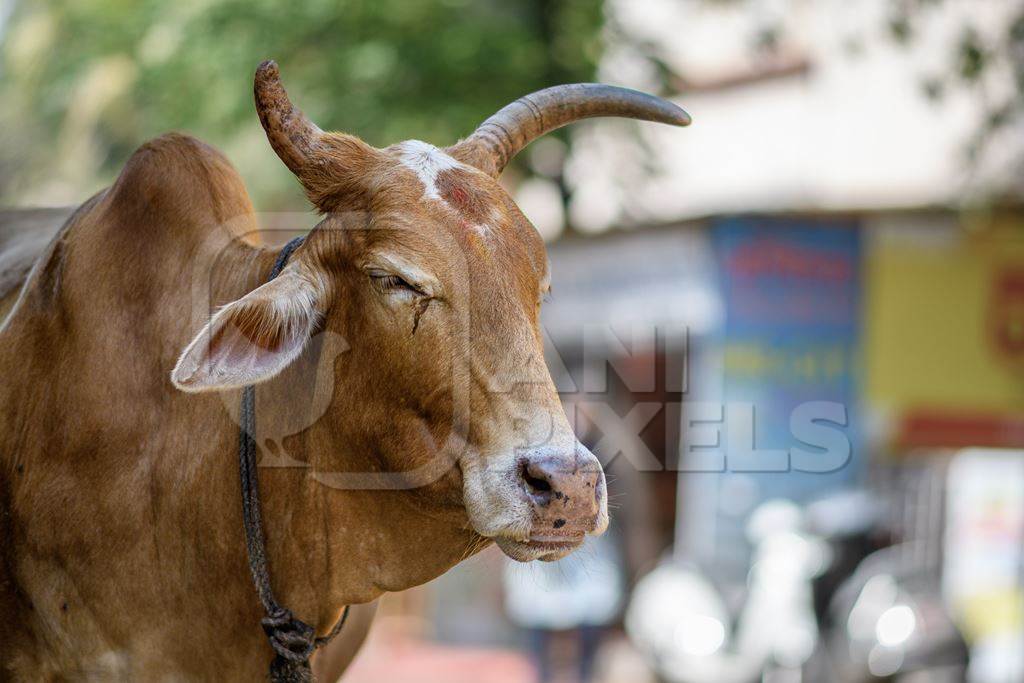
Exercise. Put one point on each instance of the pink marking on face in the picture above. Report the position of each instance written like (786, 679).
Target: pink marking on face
(455, 187)
(457, 197)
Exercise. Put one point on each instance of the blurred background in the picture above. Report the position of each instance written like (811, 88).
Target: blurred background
(840, 231)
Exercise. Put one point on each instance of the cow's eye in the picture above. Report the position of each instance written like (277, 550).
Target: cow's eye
(390, 282)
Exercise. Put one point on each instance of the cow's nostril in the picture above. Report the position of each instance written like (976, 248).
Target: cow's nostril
(534, 484)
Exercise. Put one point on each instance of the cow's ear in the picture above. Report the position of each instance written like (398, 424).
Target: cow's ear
(252, 339)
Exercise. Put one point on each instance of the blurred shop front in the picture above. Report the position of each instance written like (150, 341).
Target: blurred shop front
(945, 382)
(887, 541)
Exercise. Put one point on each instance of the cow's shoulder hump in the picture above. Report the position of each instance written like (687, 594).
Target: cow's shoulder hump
(178, 181)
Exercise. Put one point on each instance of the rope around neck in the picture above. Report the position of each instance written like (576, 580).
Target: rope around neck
(293, 640)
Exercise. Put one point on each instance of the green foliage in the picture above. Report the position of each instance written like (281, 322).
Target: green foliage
(121, 71)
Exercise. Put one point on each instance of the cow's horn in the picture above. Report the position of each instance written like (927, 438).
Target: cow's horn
(294, 137)
(505, 134)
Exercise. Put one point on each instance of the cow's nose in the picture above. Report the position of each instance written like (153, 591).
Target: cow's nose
(565, 490)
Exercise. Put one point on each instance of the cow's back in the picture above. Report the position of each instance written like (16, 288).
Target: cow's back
(24, 234)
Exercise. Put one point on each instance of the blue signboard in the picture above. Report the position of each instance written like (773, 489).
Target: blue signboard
(790, 353)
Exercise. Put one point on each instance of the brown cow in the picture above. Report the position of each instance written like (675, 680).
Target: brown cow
(434, 430)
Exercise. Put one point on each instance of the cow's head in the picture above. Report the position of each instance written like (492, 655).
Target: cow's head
(432, 275)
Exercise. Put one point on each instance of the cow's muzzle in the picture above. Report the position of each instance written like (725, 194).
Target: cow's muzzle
(567, 498)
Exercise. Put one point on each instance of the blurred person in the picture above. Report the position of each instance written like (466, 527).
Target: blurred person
(578, 596)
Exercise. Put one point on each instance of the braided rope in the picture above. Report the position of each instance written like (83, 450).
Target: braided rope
(292, 639)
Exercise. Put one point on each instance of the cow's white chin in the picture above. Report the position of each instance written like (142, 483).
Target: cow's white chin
(543, 548)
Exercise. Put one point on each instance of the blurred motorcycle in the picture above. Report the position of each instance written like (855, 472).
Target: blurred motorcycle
(813, 608)
(891, 624)
(679, 618)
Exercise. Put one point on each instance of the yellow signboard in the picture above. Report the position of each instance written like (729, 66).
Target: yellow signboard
(944, 318)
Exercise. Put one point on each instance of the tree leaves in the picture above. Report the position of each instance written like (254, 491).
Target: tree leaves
(386, 70)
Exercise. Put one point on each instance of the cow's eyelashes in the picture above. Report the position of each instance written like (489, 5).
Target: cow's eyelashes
(386, 281)
(392, 282)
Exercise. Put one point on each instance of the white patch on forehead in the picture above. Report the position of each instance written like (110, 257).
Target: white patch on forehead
(427, 162)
